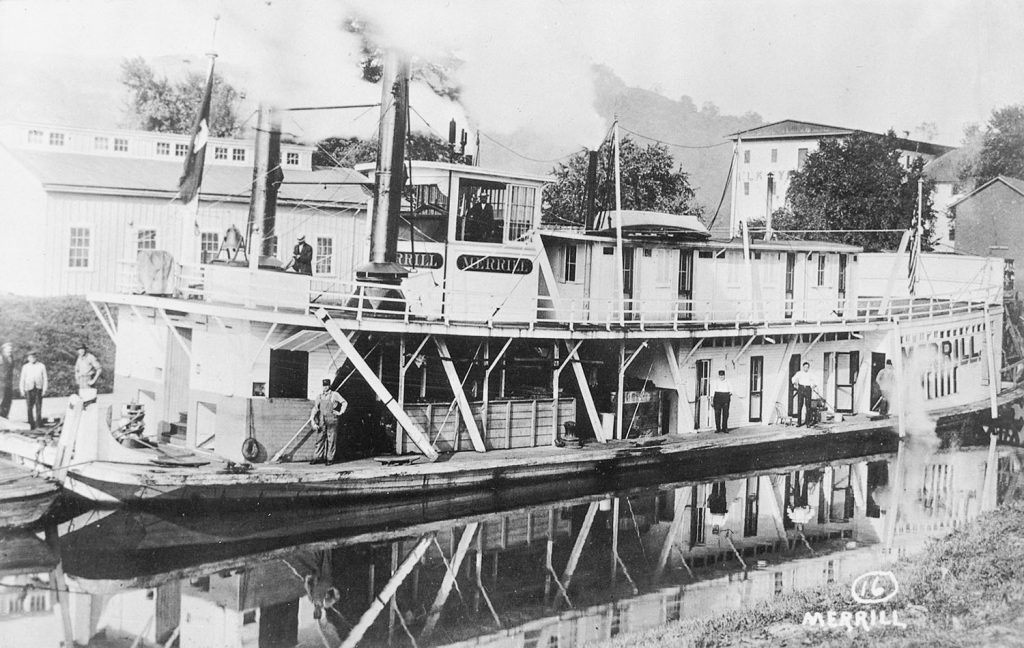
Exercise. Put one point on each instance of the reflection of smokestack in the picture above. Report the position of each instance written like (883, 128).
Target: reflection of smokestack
(387, 191)
(266, 180)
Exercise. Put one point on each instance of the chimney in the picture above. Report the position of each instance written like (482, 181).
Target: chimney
(267, 177)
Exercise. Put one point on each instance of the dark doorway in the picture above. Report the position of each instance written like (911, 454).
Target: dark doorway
(878, 478)
(794, 368)
(289, 371)
(752, 507)
(877, 364)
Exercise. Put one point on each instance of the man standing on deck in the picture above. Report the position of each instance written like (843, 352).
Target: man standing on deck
(87, 369)
(804, 383)
(720, 401)
(886, 381)
(302, 257)
(327, 410)
(6, 379)
(33, 386)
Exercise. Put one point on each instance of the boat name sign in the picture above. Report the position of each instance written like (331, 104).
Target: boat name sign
(503, 265)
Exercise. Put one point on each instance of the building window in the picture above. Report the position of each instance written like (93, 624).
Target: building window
(146, 240)
(209, 245)
(120, 145)
(324, 255)
(775, 155)
(101, 143)
(220, 153)
(163, 148)
(238, 154)
(569, 265)
(291, 159)
(801, 157)
(35, 137)
(746, 188)
(521, 208)
(746, 156)
(180, 150)
(821, 270)
(56, 139)
(79, 247)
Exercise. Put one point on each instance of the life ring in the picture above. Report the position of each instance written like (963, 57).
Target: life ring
(250, 449)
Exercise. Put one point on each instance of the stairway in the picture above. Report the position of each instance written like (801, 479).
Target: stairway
(175, 435)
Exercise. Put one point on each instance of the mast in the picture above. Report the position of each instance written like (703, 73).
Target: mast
(387, 189)
(621, 281)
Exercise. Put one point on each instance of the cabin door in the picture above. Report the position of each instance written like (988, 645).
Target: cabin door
(701, 404)
(685, 287)
(628, 266)
(847, 364)
(177, 375)
(842, 284)
(790, 282)
(877, 364)
(289, 374)
(794, 368)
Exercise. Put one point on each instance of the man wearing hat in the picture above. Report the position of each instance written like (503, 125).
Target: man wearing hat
(6, 379)
(327, 410)
(302, 257)
(33, 388)
(87, 369)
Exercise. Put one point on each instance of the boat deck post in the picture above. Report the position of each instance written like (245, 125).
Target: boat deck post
(573, 357)
(460, 394)
(682, 497)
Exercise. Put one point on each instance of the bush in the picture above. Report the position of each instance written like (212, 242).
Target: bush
(53, 327)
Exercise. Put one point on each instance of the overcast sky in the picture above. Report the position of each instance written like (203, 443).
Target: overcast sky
(864, 64)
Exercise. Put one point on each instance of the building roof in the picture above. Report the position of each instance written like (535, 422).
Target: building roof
(793, 129)
(96, 174)
(1013, 183)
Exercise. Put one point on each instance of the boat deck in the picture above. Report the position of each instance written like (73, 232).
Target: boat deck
(24, 495)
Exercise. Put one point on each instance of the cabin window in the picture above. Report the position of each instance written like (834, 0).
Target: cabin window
(775, 155)
(79, 247)
(481, 211)
(209, 245)
(521, 209)
(685, 287)
(569, 263)
(608, 250)
(746, 156)
(56, 139)
(180, 150)
(163, 148)
(821, 270)
(801, 158)
(746, 188)
(35, 137)
(238, 154)
(648, 252)
(120, 145)
(705, 254)
(291, 158)
(324, 255)
(101, 143)
(426, 216)
(146, 240)
(220, 153)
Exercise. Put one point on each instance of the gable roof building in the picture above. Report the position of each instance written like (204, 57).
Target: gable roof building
(990, 222)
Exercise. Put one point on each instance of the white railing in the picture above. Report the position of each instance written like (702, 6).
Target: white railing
(370, 301)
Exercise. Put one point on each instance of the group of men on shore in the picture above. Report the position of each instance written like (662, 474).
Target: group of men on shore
(33, 381)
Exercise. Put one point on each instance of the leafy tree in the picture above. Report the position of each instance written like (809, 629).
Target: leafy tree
(649, 181)
(158, 104)
(1002, 147)
(349, 151)
(857, 183)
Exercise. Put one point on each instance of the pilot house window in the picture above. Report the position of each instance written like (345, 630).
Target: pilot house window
(521, 209)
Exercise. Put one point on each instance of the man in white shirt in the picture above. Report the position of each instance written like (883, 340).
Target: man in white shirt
(722, 390)
(804, 383)
(33, 385)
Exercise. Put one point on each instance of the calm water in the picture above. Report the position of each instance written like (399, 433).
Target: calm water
(480, 569)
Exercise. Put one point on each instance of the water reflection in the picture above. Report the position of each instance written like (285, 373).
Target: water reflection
(481, 570)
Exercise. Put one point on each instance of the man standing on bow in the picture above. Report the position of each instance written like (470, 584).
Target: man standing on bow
(6, 379)
(804, 383)
(33, 386)
(327, 410)
(720, 402)
(886, 381)
(302, 257)
(87, 369)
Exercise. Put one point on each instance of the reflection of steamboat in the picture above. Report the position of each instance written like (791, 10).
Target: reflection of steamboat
(505, 573)
(489, 339)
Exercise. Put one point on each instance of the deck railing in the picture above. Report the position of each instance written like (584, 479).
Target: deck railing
(371, 301)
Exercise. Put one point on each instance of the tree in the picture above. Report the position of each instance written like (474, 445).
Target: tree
(158, 104)
(1002, 147)
(649, 181)
(350, 151)
(857, 183)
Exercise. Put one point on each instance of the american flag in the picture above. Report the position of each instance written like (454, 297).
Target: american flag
(192, 174)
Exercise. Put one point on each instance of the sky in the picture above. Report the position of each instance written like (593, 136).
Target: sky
(866, 64)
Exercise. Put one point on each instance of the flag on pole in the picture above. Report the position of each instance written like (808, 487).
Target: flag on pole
(916, 233)
(192, 174)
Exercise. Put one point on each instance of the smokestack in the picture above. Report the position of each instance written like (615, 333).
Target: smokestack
(266, 179)
(387, 191)
(590, 192)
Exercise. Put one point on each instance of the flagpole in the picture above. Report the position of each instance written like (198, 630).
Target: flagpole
(618, 233)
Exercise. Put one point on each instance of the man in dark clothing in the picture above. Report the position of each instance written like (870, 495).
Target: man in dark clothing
(302, 257)
(6, 379)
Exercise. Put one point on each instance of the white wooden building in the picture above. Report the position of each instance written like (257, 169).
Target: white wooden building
(79, 205)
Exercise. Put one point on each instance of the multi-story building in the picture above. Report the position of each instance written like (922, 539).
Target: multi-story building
(81, 204)
(767, 157)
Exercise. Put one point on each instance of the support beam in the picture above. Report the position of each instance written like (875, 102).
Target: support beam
(588, 398)
(743, 350)
(491, 363)
(989, 494)
(411, 428)
(460, 395)
(682, 498)
(677, 379)
(577, 547)
(693, 350)
(782, 378)
(177, 336)
(263, 345)
(993, 369)
(623, 365)
(386, 594)
(776, 504)
(895, 496)
(103, 322)
(901, 380)
(450, 574)
(615, 539)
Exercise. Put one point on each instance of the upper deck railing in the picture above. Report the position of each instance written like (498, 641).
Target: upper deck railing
(363, 301)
